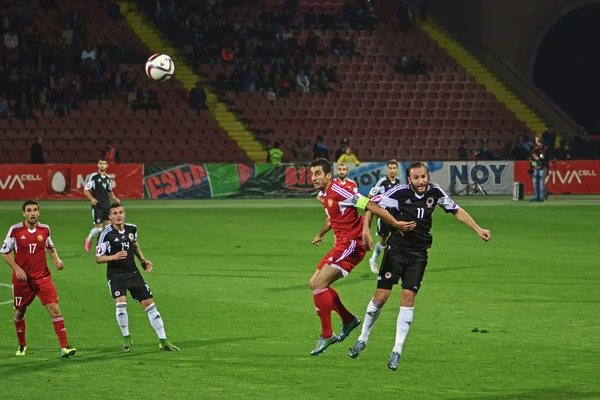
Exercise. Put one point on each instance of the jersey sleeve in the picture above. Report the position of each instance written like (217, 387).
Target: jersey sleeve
(91, 184)
(9, 244)
(446, 201)
(49, 242)
(378, 188)
(103, 247)
(109, 188)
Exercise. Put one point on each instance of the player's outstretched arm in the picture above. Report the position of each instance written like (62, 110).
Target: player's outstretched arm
(326, 228)
(55, 258)
(145, 263)
(466, 219)
(388, 218)
(21, 275)
(115, 257)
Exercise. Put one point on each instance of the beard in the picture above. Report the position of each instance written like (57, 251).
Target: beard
(416, 188)
(342, 177)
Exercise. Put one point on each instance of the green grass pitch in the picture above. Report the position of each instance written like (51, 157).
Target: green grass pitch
(231, 282)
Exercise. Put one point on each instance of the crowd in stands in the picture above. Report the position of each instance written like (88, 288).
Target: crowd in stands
(266, 53)
(61, 73)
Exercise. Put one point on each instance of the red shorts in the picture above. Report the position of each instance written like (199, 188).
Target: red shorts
(345, 256)
(25, 292)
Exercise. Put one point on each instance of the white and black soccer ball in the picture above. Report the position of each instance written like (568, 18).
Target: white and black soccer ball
(160, 67)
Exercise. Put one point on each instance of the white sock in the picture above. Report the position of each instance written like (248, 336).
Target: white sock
(94, 232)
(122, 318)
(156, 321)
(378, 249)
(370, 318)
(405, 317)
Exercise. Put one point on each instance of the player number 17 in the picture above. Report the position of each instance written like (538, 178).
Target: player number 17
(420, 212)
(32, 247)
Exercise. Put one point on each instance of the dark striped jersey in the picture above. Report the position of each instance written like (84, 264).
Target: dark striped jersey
(100, 186)
(405, 205)
(112, 241)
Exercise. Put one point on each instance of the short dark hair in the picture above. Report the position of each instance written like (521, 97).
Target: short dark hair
(323, 163)
(392, 162)
(30, 203)
(114, 205)
(416, 165)
(103, 159)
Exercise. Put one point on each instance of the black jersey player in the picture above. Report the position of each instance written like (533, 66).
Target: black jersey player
(118, 246)
(98, 189)
(383, 230)
(405, 258)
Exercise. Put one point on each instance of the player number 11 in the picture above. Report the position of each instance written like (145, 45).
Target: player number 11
(32, 247)
(420, 212)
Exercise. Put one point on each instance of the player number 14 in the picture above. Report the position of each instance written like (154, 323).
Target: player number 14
(32, 247)
(420, 212)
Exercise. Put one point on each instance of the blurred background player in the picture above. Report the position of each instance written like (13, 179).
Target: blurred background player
(406, 255)
(29, 240)
(118, 246)
(383, 229)
(342, 180)
(341, 209)
(99, 190)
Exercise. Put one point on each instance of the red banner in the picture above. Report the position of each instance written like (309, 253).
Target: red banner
(66, 181)
(564, 177)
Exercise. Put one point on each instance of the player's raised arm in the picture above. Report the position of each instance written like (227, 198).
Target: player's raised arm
(388, 218)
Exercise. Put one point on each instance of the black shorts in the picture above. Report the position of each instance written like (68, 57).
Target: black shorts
(408, 266)
(133, 282)
(100, 214)
(383, 228)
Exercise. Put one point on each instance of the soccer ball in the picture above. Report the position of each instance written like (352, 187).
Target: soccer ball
(160, 67)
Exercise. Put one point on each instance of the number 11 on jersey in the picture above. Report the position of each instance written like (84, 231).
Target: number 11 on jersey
(420, 212)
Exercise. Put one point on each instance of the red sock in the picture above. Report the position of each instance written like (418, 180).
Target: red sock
(324, 305)
(339, 308)
(20, 326)
(61, 331)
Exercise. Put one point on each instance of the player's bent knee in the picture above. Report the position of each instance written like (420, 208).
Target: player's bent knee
(381, 297)
(53, 309)
(146, 303)
(408, 298)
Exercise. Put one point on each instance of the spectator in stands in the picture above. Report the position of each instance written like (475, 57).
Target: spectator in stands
(11, 40)
(274, 155)
(342, 149)
(4, 110)
(485, 153)
(44, 99)
(37, 152)
(147, 99)
(88, 56)
(302, 82)
(463, 151)
(301, 150)
(320, 150)
(348, 158)
(549, 137)
(114, 10)
(320, 82)
(198, 98)
(522, 149)
(23, 108)
(562, 153)
(66, 37)
(337, 45)
(110, 153)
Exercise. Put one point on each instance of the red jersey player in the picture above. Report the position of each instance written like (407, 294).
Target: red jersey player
(341, 208)
(29, 241)
(342, 180)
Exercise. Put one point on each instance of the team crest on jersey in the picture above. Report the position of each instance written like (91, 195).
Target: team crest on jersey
(330, 202)
(430, 202)
(40, 237)
(131, 236)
